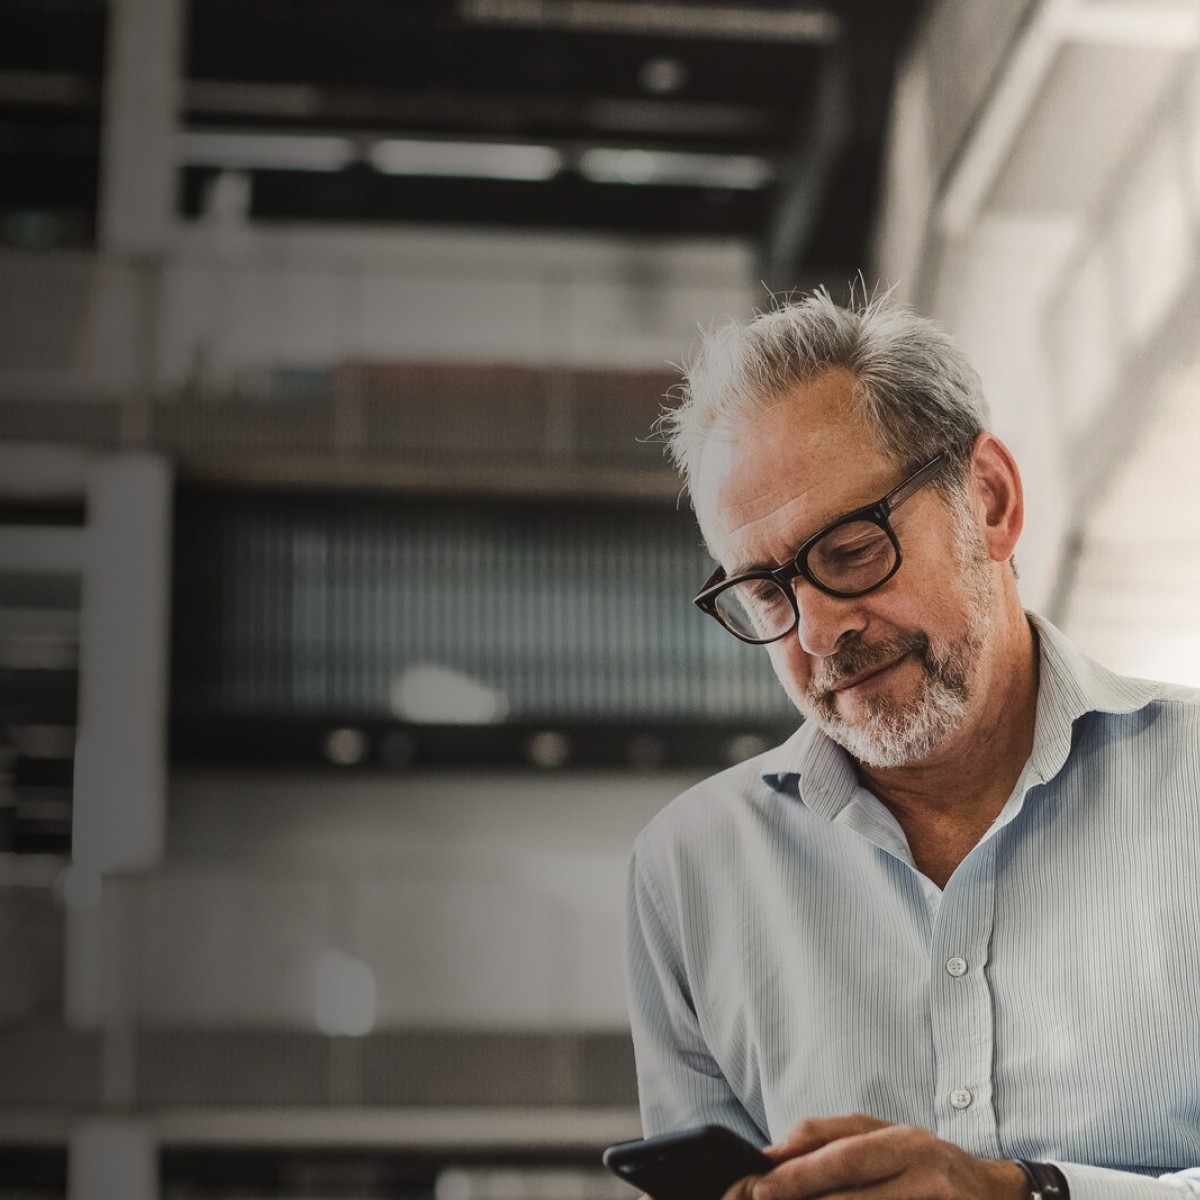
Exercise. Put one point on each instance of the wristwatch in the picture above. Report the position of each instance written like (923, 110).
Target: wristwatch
(1046, 1181)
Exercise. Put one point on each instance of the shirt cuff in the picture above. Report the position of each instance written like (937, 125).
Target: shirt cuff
(1100, 1183)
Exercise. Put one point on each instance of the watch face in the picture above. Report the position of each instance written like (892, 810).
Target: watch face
(1046, 1182)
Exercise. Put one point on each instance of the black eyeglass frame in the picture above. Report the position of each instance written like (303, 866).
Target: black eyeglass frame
(877, 513)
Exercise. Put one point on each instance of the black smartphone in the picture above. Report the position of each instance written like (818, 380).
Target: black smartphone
(695, 1164)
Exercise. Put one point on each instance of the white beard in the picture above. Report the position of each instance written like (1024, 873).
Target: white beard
(894, 734)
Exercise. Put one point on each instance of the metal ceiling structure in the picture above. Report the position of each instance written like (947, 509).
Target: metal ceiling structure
(760, 120)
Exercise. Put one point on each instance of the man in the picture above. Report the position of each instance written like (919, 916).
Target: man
(954, 921)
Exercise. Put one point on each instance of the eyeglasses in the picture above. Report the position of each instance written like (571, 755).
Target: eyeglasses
(850, 556)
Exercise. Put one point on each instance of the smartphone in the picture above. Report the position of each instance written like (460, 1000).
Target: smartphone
(695, 1164)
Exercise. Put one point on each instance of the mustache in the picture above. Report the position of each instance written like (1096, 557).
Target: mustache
(857, 657)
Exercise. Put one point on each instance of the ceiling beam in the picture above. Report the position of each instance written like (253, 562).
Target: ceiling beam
(805, 178)
(725, 22)
(1053, 25)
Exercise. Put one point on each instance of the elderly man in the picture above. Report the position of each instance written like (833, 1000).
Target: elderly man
(944, 942)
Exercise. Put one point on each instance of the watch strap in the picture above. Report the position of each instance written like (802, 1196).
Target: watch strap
(1046, 1181)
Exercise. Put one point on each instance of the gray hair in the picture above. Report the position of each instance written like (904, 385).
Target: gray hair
(916, 389)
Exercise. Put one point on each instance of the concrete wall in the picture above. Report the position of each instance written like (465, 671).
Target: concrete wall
(1039, 207)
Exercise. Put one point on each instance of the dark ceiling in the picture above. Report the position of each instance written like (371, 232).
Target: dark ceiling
(693, 117)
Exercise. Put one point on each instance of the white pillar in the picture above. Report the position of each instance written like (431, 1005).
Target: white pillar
(120, 759)
(142, 88)
(112, 1159)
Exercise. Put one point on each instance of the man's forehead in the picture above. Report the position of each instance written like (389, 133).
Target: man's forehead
(788, 469)
(817, 427)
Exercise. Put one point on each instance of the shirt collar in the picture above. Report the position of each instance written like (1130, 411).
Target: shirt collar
(812, 767)
(1071, 685)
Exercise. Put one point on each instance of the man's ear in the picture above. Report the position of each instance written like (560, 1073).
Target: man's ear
(999, 497)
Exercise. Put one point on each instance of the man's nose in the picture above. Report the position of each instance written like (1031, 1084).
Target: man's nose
(823, 620)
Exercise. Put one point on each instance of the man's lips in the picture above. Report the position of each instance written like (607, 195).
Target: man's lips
(844, 685)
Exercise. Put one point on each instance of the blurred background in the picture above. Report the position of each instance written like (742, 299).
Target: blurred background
(345, 635)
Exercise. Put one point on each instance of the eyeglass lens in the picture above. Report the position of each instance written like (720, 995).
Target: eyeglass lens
(850, 558)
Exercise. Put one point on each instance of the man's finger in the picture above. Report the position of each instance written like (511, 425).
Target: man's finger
(816, 1132)
(889, 1163)
(852, 1161)
(742, 1189)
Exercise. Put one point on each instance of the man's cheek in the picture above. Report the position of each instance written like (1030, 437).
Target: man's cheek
(791, 671)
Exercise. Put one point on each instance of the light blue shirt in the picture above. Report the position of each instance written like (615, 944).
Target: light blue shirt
(786, 958)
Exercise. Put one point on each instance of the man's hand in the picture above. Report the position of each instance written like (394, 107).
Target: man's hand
(868, 1159)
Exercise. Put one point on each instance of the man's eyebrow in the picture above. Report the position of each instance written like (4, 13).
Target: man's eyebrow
(751, 568)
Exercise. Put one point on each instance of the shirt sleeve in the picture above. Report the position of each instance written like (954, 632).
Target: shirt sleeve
(680, 1085)
(1101, 1183)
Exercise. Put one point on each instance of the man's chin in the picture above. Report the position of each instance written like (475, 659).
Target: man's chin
(886, 736)
(871, 750)
(889, 697)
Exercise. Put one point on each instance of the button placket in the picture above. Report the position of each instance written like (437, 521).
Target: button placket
(961, 1007)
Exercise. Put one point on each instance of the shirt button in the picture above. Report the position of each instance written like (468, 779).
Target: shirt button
(961, 1098)
(956, 966)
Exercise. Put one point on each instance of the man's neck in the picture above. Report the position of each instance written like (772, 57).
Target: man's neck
(947, 802)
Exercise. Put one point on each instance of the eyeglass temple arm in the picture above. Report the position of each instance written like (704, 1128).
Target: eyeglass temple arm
(914, 483)
(718, 576)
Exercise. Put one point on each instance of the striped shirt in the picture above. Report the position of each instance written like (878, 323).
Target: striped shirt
(786, 959)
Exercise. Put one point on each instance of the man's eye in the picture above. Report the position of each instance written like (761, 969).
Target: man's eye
(858, 552)
(854, 547)
(765, 595)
